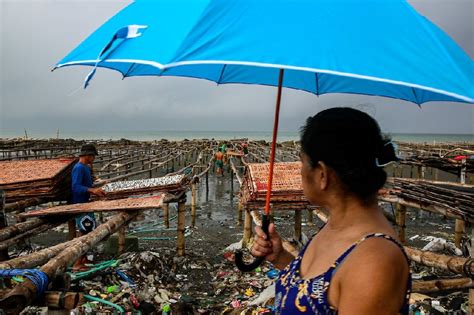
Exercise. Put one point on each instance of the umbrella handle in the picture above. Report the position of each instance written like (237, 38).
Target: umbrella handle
(239, 262)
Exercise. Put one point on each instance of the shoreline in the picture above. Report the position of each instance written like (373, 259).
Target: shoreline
(408, 138)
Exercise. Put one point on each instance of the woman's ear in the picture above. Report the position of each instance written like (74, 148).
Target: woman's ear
(322, 175)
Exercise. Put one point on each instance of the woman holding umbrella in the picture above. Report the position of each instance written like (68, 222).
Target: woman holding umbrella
(354, 264)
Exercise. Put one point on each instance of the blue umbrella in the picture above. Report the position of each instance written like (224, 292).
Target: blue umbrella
(371, 47)
(382, 47)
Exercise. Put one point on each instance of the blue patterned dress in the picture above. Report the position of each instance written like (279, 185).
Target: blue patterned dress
(295, 295)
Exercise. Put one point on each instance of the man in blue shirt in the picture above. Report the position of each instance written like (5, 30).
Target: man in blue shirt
(82, 188)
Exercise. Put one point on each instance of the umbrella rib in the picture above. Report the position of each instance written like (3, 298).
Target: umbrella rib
(416, 97)
(325, 71)
(317, 83)
(221, 75)
(128, 71)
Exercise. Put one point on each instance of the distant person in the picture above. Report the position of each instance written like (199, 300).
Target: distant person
(354, 264)
(245, 148)
(82, 188)
(219, 162)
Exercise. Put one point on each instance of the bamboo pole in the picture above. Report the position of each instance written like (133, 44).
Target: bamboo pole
(240, 208)
(24, 293)
(121, 240)
(22, 204)
(298, 220)
(430, 259)
(193, 204)
(459, 229)
(180, 228)
(471, 291)
(401, 219)
(4, 245)
(310, 217)
(13, 230)
(71, 226)
(433, 286)
(247, 228)
(423, 206)
(63, 300)
(3, 223)
(36, 258)
(166, 214)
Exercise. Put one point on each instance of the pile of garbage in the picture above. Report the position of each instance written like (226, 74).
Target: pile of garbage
(158, 282)
(454, 303)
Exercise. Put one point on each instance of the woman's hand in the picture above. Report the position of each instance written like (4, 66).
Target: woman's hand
(268, 248)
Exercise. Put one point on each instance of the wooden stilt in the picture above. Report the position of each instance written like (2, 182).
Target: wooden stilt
(121, 240)
(401, 218)
(166, 214)
(180, 229)
(459, 229)
(3, 223)
(470, 309)
(298, 225)
(247, 228)
(193, 205)
(310, 217)
(71, 225)
(239, 214)
(231, 183)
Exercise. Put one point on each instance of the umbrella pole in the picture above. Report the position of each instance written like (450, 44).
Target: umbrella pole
(274, 139)
(266, 216)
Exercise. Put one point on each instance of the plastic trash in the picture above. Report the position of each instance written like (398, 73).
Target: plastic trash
(166, 309)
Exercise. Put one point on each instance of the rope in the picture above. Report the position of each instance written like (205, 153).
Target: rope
(39, 278)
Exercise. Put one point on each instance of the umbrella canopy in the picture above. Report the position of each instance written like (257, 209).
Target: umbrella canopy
(382, 47)
(140, 39)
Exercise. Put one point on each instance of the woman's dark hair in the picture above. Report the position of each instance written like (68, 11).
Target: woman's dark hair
(350, 142)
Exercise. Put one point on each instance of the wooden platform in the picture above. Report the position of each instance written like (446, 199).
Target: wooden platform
(128, 204)
(287, 193)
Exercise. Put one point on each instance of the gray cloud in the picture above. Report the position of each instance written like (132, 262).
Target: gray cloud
(37, 34)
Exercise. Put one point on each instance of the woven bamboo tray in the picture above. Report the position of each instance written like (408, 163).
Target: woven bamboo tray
(145, 186)
(128, 204)
(20, 173)
(49, 179)
(287, 186)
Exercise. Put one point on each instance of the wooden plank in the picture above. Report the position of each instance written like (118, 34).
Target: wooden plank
(129, 204)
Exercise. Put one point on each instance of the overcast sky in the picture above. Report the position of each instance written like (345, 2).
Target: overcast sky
(36, 34)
